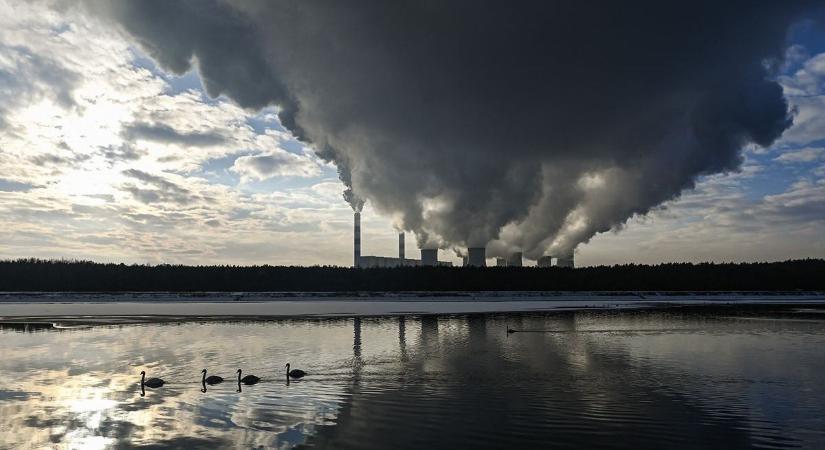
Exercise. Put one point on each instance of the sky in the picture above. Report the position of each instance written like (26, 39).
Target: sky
(107, 154)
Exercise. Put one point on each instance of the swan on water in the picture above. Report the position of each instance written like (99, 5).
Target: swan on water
(211, 379)
(249, 379)
(151, 382)
(294, 373)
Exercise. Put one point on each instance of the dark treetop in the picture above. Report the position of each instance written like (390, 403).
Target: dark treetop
(51, 275)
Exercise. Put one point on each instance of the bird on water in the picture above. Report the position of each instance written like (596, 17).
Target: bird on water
(249, 379)
(211, 379)
(294, 373)
(151, 382)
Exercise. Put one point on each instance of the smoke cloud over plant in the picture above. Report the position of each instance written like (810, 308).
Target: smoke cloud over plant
(523, 127)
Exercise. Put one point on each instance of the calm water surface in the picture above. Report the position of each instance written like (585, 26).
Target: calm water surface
(713, 379)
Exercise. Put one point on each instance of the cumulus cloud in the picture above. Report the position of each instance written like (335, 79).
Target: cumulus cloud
(127, 170)
(14, 186)
(801, 155)
(165, 133)
(159, 189)
(280, 164)
(26, 77)
(804, 201)
(721, 221)
(534, 126)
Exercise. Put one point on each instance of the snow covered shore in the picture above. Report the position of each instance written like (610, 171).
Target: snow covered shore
(278, 304)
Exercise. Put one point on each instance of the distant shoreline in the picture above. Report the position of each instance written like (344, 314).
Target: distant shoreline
(152, 307)
(399, 296)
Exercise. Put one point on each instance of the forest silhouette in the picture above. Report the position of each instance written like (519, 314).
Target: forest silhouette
(87, 276)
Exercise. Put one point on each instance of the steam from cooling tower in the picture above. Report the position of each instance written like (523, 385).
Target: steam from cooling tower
(527, 126)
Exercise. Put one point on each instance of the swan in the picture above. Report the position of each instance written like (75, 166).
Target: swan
(294, 373)
(249, 379)
(151, 382)
(211, 379)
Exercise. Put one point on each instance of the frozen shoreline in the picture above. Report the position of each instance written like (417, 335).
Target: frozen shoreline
(164, 305)
(493, 296)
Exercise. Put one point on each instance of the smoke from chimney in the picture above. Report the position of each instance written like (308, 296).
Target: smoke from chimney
(524, 126)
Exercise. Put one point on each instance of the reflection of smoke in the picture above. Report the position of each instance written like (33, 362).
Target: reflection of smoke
(530, 127)
(562, 389)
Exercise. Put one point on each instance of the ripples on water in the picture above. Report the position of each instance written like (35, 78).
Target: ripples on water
(606, 379)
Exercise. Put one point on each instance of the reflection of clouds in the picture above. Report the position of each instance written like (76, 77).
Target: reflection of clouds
(566, 389)
(381, 382)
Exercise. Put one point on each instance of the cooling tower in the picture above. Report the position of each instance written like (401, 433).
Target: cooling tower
(565, 261)
(545, 261)
(476, 257)
(429, 256)
(357, 240)
(514, 260)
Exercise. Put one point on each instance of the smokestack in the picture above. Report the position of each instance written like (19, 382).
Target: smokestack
(514, 260)
(357, 238)
(429, 256)
(401, 247)
(477, 257)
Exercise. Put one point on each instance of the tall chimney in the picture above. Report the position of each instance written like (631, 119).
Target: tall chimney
(357, 238)
(401, 247)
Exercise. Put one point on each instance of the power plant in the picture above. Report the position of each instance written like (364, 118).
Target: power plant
(565, 261)
(475, 257)
(429, 256)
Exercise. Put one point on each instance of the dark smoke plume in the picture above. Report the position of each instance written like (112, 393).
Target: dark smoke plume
(527, 125)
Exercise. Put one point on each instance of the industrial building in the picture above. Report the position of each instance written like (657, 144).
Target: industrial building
(429, 256)
(475, 257)
(565, 261)
(545, 261)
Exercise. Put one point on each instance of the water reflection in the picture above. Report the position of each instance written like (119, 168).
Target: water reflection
(638, 379)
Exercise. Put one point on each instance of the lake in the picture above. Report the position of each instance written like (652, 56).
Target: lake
(713, 377)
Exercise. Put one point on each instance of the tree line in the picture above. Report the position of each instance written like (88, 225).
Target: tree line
(88, 276)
